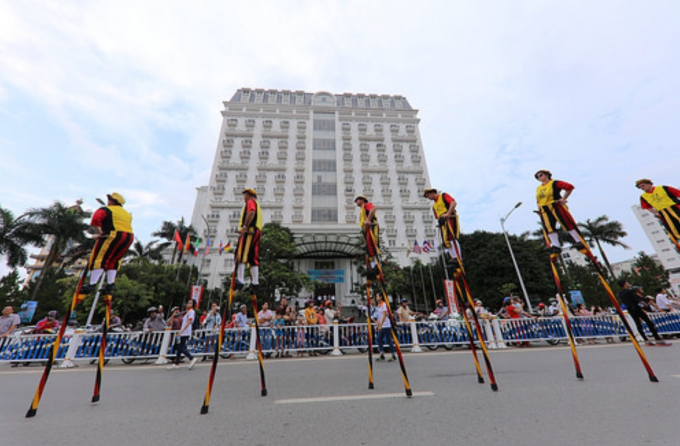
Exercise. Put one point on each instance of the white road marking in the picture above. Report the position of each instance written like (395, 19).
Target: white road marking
(324, 399)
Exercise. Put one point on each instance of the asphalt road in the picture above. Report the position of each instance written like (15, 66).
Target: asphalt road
(325, 401)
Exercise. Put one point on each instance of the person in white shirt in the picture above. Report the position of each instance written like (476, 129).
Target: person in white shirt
(384, 329)
(662, 301)
(183, 336)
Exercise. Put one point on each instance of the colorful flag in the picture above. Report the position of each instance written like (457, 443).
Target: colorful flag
(426, 246)
(207, 246)
(228, 247)
(221, 247)
(178, 240)
(416, 248)
(187, 244)
(198, 241)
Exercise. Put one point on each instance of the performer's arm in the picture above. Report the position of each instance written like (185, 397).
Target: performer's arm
(645, 205)
(452, 205)
(250, 215)
(568, 188)
(370, 216)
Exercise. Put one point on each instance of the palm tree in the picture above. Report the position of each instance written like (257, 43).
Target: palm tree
(600, 231)
(66, 227)
(167, 231)
(15, 234)
(151, 252)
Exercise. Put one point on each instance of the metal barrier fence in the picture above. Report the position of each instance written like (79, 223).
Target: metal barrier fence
(333, 339)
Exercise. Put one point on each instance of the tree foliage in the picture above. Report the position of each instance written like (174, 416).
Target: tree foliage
(15, 235)
(600, 231)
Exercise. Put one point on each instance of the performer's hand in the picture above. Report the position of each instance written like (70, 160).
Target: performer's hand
(561, 201)
(442, 221)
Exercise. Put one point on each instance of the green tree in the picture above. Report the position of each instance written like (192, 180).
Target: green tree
(586, 280)
(277, 250)
(600, 231)
(146, 253)
(49, 294)
(489, 267)
(15, 235)
(647, 273)
(167, 232)
(65, 227)
(10, 291)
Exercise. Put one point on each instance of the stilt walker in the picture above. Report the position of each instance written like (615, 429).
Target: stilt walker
(554, 257)
(664, 203)
(248, 253)
(444, 209)
(553, 210)
(370, 231)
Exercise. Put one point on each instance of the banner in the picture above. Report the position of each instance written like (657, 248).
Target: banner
(196, 294)
(327, 275)
(450, 292)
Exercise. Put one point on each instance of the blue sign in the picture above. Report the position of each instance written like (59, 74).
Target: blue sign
(327, 275)
(27, 311)
(576, 297)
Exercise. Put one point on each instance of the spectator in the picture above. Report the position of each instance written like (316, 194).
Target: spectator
(213, 319)
(8, 323)
(662, 301)
(183, 336)
(286, 311)
(635, 304)
(404, 313)
(311, 320)
(154, 322)
(114, 321)
(481, 311)
(384, 329)
(441, 311)
(47, 325)
(279, 323)
(241, 320)
(554, 308)
(265, 316)
(175, 319)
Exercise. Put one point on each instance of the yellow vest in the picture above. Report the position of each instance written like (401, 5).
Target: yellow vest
(659, 199)
(257, 221)
(439, 206)
(362, 216)
(121, 219)
(545, 193)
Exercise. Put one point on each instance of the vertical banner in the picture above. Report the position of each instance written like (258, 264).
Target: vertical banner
(196, 294)
(451, 296)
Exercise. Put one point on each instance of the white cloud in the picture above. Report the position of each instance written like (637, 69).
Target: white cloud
(504, 88)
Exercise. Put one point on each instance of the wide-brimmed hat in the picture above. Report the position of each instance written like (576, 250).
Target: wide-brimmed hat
(118, 198)
(642, 181)
(250, 191)
(427, 191)
(545, 171)
(361, 197)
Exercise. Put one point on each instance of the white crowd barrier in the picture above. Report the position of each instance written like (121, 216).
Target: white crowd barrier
(333, 339)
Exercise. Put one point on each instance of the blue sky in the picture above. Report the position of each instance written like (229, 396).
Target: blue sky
(103, 96)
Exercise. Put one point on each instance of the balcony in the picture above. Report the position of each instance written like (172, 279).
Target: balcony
(300, 156)
(283, 145)
(228, 142)
(263, 154)
(298, 218)
(284, 125)
(380, 147)
(420, 181)
(390, 218)
(364, 147)
(280, 178)
(277, 217)
(299, 178)
(247, 143)
(265, 144)
(410, 128)
(346, 127)
(300, 145)
(397, 148)
(279, 190)
(232, 123)
(250, 123)
(409, 218)
(261, 177)
(394, 128)
(298, 190)
(347, 157)
(414, 148)
(384, 179)
(225, 153)
(282, 155)
(347, 146)
(382, 158)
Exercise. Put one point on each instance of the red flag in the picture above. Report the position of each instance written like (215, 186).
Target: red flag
(178, 240)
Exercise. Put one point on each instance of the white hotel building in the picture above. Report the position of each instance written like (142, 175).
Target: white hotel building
(664, 248)
(308, 155)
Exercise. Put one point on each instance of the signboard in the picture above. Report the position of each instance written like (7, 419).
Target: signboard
(27, 311)
(451, 296)
(327, 275)
(576, 297)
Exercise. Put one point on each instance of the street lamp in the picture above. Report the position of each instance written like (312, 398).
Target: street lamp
(512, 255)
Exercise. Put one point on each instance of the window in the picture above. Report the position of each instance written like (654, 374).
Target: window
(324, 165)
(324, 144)
(324, 124)
(324, 189)
(324, 215)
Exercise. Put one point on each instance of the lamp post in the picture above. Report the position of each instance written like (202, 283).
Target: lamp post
(512, 255)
